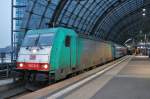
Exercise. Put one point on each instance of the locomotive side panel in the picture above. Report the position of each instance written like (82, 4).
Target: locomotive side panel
(86, 52)
(94, 53)
(64, 56)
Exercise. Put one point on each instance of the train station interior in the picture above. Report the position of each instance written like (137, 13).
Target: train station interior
(77, 49)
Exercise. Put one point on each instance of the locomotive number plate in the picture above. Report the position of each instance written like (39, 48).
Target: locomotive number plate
(32, 57)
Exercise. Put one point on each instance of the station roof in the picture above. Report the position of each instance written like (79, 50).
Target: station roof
(114, 20)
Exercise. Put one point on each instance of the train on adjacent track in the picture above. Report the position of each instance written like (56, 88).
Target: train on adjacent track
(57, 52)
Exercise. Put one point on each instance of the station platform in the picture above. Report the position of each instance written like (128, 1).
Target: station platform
(128, 80)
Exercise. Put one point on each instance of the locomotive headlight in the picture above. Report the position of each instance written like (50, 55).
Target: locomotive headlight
(21, 65)
(45, 66)
(34, 51)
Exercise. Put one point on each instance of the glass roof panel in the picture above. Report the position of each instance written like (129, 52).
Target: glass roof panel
(82, 15)
(117, 14)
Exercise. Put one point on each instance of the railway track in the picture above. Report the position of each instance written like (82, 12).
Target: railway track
(24, 92)
(12, 89)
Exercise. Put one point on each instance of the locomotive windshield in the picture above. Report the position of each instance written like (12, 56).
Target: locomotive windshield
(46, 40)
(30, 40)
(38, 40)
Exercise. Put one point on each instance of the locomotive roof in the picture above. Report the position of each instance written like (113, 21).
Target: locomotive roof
(47, 30)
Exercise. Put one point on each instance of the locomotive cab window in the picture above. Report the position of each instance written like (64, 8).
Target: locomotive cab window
(67, 41)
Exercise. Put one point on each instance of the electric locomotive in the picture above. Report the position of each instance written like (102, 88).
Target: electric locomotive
(57, 52)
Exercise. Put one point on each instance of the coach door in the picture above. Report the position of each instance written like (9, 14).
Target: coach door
(70, 43)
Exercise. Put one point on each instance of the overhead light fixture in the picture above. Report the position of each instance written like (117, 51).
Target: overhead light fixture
(144, 14)
(143, 9)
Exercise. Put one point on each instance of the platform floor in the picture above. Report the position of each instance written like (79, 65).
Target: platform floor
(129, 80)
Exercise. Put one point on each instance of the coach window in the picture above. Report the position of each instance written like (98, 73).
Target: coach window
(67, 41)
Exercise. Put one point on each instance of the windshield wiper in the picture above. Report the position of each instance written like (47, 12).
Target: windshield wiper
(27, 47)
(40, 46)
